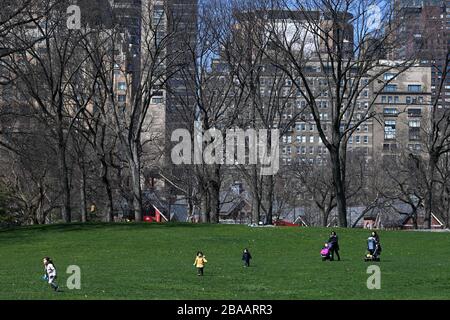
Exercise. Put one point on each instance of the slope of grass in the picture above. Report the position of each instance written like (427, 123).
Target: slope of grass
(150, 261)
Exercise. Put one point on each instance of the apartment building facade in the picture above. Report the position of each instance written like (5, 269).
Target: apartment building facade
(402, 106)
(424, 34)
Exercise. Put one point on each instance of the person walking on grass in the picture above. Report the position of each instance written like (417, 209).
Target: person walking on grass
(246, 256)
(334, 242)
(376, 237)
(50, 273)
(200, 261)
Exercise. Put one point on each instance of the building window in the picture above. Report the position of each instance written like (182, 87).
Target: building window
(157, 100)
(414, 130)
(388, 76)
(121, 98)
(390, 112)
(390, 88)
(366, 139)
(408, 100)
(311, 139)
(414, 112)
(357, 139)
(122, 86)
(414, 123)
(389, 129)
(414, 88)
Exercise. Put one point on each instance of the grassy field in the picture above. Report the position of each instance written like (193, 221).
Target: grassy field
(149, 261)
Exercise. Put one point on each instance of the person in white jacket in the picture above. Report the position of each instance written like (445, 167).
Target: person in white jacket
(50, 272)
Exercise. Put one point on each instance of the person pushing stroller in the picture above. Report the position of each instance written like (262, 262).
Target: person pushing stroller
(373, 248)
(333, 242)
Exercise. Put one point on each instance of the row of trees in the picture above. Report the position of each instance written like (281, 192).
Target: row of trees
(79, 121)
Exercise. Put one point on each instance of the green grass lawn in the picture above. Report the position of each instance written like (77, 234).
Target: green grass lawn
(150, 261)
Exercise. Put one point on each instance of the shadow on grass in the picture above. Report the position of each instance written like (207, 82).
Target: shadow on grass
(23, 232)
(15, 235)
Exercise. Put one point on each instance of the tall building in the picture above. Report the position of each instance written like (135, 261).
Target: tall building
(128, 16)
(180, 90)
(403, 107)
(182, 26)
(423, 34)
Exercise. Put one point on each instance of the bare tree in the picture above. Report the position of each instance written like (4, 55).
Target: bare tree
(332, 52)
(438, 137)
(145, 69)
(44, 72)
(14, 16)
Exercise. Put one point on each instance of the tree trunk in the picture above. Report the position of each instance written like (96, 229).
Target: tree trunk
(214, 193)
(414, 218)
(256, 200)
(135, 167)
(432, 163)
(269, 200)
(324, 217)
(214, 202)
(105, 180)
(83, 195)
(64, 172)
(204, 206)
(339, 184)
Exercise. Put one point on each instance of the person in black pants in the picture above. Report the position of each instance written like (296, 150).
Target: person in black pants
(334, 245)
(377, 241)
(246, 256)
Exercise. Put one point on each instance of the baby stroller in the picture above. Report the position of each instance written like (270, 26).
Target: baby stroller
(325, 253)
(374, 250)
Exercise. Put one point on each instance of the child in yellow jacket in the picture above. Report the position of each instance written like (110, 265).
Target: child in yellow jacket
(200, 261)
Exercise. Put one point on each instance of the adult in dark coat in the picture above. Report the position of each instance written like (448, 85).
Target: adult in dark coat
(377, 241)
(246, 256)
(334, 241)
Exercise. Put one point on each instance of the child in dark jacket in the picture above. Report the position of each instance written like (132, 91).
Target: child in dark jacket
(246, 256)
